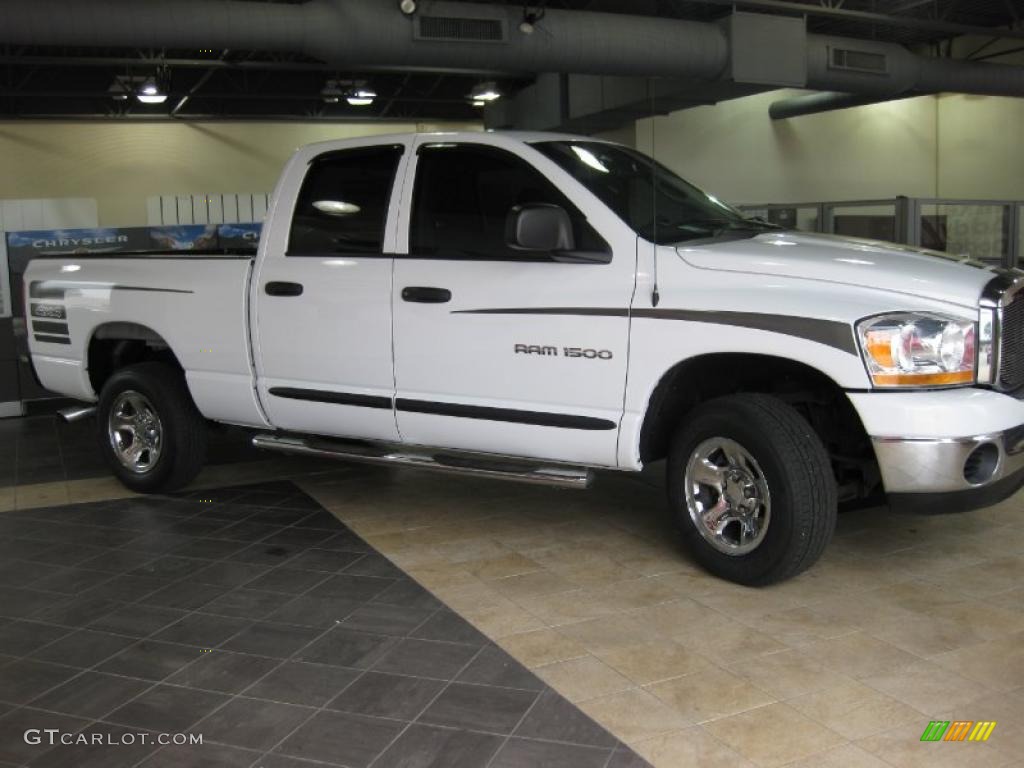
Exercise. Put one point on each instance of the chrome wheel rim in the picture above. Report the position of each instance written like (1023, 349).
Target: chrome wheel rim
(727, 496)
(135, 432)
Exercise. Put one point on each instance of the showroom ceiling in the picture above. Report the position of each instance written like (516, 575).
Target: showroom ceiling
(38, 80)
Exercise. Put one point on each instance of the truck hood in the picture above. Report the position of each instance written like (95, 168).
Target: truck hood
(849, 261)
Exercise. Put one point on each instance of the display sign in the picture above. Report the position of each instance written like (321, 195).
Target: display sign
(22, 246)
(239, 236)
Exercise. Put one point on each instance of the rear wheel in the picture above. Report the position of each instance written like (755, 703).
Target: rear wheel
(149, 430)
(751, 489)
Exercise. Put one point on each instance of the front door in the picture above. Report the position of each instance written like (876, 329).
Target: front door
(322, 298)
(499, 350)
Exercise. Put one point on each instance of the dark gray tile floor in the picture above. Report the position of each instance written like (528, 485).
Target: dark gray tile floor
(253, 617)
(44, 449)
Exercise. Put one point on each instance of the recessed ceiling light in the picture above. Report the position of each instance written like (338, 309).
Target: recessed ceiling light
(150, 93)
(485, 92)
(361, 97)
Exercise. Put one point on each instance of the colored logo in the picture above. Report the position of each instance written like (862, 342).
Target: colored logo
(958, 730)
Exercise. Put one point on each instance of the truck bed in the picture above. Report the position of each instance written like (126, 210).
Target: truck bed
(72, 302)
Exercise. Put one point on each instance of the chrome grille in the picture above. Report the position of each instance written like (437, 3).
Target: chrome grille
(1011, 344)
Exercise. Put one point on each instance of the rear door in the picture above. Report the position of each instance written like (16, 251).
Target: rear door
(322, 295)
(497, 350)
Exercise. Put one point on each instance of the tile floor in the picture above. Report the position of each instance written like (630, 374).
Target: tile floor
(252, 616)
(904, 620)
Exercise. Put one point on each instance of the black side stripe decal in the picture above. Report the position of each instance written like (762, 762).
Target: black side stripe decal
(49, 326)
(144, 288)
(538, 418)
(586, 311)
(52, 289)
(52, 339)
(832, 333)
(337, 398)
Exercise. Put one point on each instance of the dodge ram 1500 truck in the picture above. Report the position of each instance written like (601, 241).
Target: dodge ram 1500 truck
(538, 306)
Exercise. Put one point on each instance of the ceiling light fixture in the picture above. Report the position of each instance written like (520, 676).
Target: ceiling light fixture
(408, 7)
(485, 92)
(530, 19)
(361, 97)
(151, 93)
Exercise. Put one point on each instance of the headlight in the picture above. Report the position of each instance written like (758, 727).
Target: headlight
(918, 349)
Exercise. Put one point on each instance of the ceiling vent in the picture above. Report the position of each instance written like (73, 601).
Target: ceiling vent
(454, 29)
(849, 60)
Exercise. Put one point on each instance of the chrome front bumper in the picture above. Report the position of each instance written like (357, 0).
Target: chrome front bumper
(930, 465)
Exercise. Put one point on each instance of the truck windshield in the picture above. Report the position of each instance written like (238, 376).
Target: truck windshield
(650, 198)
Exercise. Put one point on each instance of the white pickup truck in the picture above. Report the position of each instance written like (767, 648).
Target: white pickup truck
(538, 306)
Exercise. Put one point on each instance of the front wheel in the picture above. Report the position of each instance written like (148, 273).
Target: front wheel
(751, 488)
(149, 430)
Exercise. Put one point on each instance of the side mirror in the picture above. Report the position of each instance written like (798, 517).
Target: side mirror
(539, 227)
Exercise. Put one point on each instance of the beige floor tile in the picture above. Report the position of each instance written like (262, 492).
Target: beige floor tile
(500, 618)
(674, 618)
(583, 678)
(746, 602)
(542, 582)
(692, 748)
(634, 715)
(984, 579)
(567, 607)
(434, 574)
(6, 498)
(845, 756)
(97, 489)
(798, 626)
(639, 593)
(858, 655)
(902, 747)
(854, 710)
(774, 735)
(710, 695)
(928, 635)
(927, 686)
(998, 664)
(603, 634)
(40, 495)
(500, 567)
(541, 646)
(725, 639)
(787, 674)
(653, 660)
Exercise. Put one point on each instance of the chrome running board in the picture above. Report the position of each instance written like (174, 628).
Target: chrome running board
(458, 463)
(76, 413)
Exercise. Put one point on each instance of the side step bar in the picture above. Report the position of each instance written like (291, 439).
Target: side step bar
(463, 464)
(76, 413)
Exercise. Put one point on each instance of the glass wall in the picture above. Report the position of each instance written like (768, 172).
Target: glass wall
(974, 229)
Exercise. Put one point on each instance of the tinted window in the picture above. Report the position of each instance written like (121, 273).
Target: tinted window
(463, 197)
(343, 204)
(650, 198)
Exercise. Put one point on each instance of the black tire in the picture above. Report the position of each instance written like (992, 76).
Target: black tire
(795, 468)
(182, 428)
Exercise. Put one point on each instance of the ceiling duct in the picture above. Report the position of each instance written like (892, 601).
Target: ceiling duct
(454, 29)
(374, 33)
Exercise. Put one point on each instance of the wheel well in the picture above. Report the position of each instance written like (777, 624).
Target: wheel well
(115, 345)
(816, 396)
